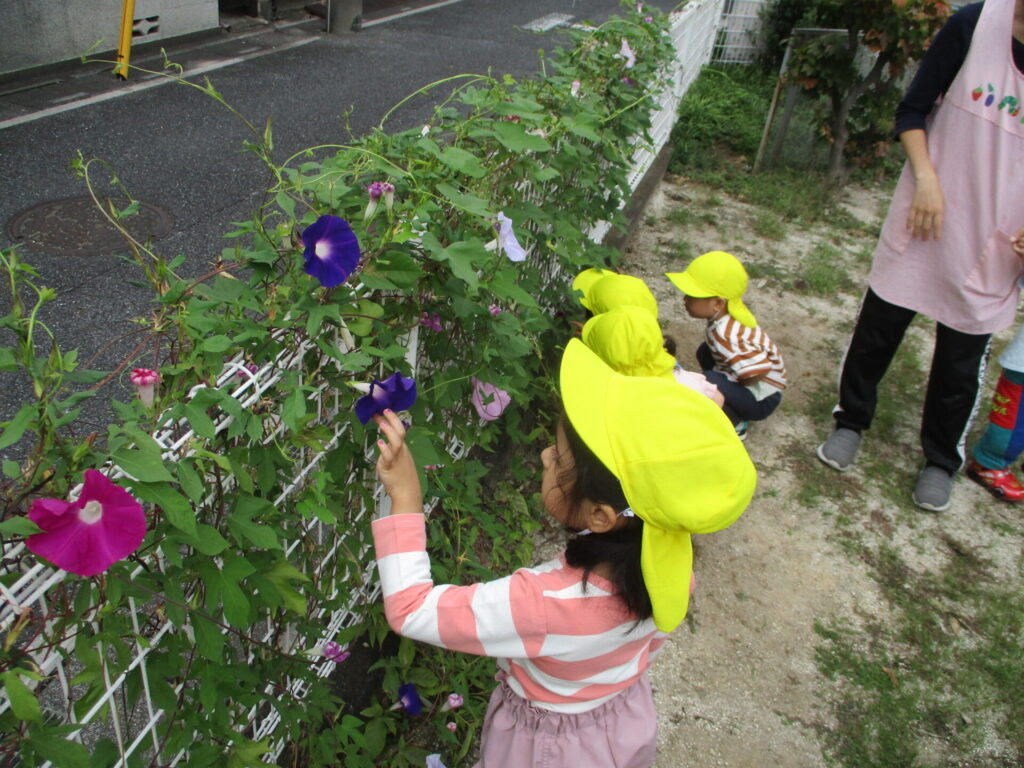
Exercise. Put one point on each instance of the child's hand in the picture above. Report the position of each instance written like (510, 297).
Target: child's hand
(1017, 241)
(395, 467)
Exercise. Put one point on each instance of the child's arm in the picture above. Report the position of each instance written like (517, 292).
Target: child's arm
(396, 468)
(497, 618)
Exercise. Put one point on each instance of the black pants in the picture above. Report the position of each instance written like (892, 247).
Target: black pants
(740, 403)
(958, 368)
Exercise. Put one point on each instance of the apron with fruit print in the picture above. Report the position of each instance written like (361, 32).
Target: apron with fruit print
(967, 279)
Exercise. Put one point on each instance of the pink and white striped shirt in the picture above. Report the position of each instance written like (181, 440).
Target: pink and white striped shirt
(563, 648)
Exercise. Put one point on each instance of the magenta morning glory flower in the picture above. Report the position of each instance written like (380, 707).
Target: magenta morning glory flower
(433, 322)
(145, 380)
(507, 241)
(333, 652)
(88, 535)
(490, 401)
(626, 53)
(396, 392)
(494, 309)
(332, 250)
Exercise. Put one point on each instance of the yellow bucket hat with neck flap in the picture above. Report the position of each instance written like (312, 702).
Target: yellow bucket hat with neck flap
(630, 341)
(682, 468)
(604, 290)
(717, 273)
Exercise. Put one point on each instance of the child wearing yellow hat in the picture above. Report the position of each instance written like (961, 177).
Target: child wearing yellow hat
(639, 464)
(603, 289)
(629, 340)
(737, 356)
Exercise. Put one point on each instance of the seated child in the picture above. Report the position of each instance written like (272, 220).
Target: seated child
(737, 356)
(629, 340)
(603, 289)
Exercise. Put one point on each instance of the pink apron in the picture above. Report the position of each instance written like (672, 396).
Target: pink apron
(967, 279)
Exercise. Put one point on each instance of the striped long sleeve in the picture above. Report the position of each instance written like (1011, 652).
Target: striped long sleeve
(564, 647)
(744, 354)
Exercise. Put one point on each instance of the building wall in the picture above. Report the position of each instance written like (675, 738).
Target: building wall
(38, 32)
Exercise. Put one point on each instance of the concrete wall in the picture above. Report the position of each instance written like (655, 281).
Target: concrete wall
(38, 32)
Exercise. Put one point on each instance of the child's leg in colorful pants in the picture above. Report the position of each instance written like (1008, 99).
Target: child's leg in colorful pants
(1003, 439)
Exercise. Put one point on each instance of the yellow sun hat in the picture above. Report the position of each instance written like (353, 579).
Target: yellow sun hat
(682, 468)
(604, 290)
(630, 341)
(717, 273)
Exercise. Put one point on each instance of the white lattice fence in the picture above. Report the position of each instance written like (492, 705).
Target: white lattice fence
(737, 38)
(30, 589)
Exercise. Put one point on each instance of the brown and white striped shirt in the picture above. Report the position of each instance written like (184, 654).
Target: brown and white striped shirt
(745, 354)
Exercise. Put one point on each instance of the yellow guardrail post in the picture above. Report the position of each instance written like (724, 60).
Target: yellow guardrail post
(124, 47)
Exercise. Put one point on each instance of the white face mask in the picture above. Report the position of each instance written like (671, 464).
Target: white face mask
(627, 512)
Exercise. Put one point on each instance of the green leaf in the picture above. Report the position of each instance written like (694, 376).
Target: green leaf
(190, 482)
(294, 409)
(260, 535)
(19, 526)
(362, 326)
(16, 427)
(584, 125)
(141, 466)
(217, 343)
(179, 510)
(8, 360)
(247, 754)
(394, 269)
(467, 203)
(279, 576)
(24, 703)
(209, 541)
(462, 161)
(515, 137)
(209, 638)
(200, 422)
(60, 752)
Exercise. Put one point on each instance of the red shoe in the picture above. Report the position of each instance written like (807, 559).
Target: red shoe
(1001, 483)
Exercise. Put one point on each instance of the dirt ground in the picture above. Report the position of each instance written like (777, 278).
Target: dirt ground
(737, 683)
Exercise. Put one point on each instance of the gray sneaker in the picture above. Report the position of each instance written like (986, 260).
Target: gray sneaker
(934, 487)
(840, 449)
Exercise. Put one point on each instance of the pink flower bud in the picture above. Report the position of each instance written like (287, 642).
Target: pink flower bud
(454, 702)
(145, 380)
(451, 727)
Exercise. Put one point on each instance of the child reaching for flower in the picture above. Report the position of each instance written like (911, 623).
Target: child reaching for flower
(638, 465)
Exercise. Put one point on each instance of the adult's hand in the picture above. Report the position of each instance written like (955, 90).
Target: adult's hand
(927, 209)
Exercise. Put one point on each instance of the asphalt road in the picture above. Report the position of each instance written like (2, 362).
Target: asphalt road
(179, 149)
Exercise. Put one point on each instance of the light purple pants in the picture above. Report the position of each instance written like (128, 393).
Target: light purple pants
(618, 734)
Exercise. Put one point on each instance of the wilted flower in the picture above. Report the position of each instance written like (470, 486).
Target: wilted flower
(629, 81)
(490, 401)
(409, 699)
(247, 371)
(625, 52)
(376, 190)
(540, 132)
(575, 89)
(512, 118)
(425, 130)
(333, 652)
(145, 380)
(648, 19)
(451, 727)
(454, 702)
(494, 309)
(396, 392)
(86, 536)
(507, 239)
(433, 322)
(434, 761)
(332, 250)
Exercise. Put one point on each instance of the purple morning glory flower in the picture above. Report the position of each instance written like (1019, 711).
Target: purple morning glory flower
(490, 401)
(396, 392)
(433, 322)
(334, 653)
(494, 309)
(507, 241)
(332, 250)
(409, 698)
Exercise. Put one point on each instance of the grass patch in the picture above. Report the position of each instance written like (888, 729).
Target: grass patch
(823, 273)
(768, 225)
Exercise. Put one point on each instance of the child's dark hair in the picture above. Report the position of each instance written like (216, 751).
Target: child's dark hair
(620, 548)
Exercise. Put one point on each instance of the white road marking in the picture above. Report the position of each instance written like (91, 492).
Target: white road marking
(547, 23)
(411, 12)
(147, 84)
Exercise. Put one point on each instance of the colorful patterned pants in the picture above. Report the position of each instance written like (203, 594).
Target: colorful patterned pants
(1003, 440)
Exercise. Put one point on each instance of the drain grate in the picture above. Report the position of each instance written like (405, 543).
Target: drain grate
(75, 227)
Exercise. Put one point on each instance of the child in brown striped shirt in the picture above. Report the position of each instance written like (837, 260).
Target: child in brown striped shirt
(737, 356)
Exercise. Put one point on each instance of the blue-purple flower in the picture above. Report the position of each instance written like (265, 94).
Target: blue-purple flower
(396, 393)
(409, 699)
(332, 250)
(431, 321)
(625, 52)
(507, 241)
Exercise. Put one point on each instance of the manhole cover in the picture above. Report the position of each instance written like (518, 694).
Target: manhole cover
(75, 227)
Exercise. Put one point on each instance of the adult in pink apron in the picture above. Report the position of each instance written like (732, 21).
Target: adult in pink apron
(946, 251)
